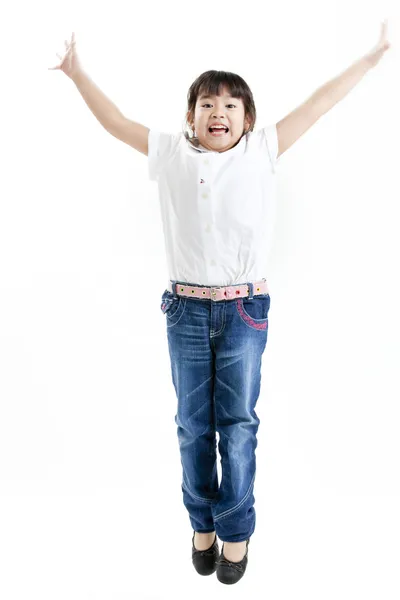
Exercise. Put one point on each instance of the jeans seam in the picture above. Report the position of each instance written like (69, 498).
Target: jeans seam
(208, 500)
(231, 510)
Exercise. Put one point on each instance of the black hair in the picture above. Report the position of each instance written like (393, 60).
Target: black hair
(211, 83)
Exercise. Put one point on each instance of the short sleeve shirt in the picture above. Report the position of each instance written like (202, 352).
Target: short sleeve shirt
(218, 209)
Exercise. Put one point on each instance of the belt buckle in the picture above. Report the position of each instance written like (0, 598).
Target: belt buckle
(213, 293)
(230, 292)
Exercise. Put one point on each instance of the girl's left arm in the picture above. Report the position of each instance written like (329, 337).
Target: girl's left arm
(333, 91)
(291, 127)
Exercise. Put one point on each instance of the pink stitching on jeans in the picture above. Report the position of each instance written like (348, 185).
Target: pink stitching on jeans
(248, 319)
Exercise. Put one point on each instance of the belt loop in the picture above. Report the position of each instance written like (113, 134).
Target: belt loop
(250, 286)
(173, 284)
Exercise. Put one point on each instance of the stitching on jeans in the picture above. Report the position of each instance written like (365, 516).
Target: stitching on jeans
(248, 320)
(183, 301)
(231, 510)
(208, 500)
(213, 333)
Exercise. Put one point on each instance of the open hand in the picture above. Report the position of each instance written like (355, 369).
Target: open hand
(375, 55)
(69, 62)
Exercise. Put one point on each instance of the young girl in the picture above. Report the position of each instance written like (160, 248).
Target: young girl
(217, 198)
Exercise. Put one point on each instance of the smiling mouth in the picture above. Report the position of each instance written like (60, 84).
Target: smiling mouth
(218, 132)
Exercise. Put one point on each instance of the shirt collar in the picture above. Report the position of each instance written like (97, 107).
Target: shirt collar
(194, 143)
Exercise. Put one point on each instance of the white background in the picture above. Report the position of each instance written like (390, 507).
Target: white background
(90, 499)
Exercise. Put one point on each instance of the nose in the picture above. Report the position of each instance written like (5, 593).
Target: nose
(218, 112)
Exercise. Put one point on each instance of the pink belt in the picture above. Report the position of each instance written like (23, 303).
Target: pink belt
(221, 292)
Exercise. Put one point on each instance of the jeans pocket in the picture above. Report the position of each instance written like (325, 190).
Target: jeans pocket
(254, 312)
(169, 304)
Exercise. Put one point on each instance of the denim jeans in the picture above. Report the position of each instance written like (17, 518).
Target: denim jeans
(215, 353)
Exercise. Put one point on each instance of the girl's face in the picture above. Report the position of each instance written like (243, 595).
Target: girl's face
(223, 109)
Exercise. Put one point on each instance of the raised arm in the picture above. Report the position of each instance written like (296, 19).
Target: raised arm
(105, 111)
(132, 133)
(296, 123)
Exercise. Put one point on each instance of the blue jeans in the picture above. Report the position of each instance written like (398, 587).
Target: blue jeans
(215, 352)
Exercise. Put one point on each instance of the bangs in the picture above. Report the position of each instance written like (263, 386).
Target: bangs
(216, 82)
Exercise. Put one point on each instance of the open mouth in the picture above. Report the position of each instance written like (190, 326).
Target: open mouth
(218, 131)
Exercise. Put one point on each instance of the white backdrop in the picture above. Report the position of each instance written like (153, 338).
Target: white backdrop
(90, 499)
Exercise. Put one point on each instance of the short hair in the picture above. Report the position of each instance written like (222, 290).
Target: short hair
(211, 83)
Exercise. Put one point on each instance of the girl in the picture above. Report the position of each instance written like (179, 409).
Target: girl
(217, 197)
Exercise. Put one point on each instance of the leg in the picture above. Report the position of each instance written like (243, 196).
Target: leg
(239, 341)
(192, 374)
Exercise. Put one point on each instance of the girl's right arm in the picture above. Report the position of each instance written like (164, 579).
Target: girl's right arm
(130, 132)
(105, 111)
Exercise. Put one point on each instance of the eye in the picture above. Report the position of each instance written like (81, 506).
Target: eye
(210, 105)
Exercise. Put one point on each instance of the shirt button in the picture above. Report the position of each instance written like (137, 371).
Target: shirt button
(205, 195)
(208, 228)
(206, 161)
(213, 263)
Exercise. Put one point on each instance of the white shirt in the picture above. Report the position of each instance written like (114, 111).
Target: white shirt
(218, 209)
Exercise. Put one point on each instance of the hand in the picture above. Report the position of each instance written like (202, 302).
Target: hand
(375, 55)
(69, 62)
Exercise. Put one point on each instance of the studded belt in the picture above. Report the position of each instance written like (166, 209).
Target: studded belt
(217, 293)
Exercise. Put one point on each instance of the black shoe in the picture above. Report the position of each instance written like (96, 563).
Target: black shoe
(205, 561)
(230, 572)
